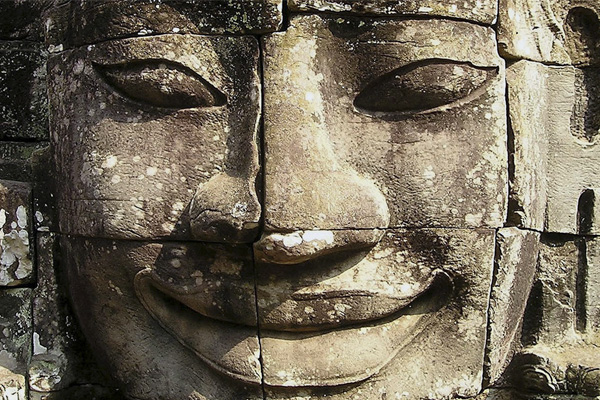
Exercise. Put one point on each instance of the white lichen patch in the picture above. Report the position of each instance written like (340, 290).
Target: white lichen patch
(15, 257)
(38, 348)
(326, 236)
(109, 162)
(151, 171)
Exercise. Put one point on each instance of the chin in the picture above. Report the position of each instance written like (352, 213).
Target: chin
(200, 320)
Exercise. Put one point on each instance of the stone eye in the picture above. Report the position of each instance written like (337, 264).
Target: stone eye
(161, 83)
(423, 86)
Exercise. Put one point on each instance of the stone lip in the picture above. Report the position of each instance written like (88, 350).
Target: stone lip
(374, 342)
(204, 336)
(321, 309)
(314, 308)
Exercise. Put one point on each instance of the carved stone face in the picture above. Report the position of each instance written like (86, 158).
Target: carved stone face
(342, 248)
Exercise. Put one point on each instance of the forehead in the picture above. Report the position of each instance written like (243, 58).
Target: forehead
(112, 19)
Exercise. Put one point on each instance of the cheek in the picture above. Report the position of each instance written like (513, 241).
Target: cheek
(441, 169)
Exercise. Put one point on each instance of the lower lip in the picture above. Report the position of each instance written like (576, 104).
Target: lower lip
(293, 359)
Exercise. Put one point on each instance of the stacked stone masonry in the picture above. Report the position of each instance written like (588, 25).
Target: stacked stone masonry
(301, 199)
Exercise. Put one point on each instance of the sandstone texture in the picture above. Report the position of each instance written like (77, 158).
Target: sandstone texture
(476, 11)
(136, 175)
(299, 200)
(23, 99)
(399, 310)
(327, 127)
(166, 289)
(554, 32)
(16, 234)
(516, 261)
(73, 23)
(15, 337)
(554, 135)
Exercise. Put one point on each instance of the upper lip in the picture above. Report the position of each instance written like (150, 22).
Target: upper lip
(293, 309)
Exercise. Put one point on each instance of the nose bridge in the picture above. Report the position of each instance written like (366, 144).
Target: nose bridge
(306, 186)
(314, 203)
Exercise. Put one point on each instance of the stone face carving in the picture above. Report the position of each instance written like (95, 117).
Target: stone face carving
(356, 201)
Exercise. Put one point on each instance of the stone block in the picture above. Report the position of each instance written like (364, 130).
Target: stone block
(60, 355)
(337, 117)
(556, 32)
(12, 385)
(556, 289)
(16, 234)
(406, 319)
(16, 160)
(15, 334)
(529, 188)
(23, 20)
(516, 261)
(476, 11)
(192, 304)
(592, 286)
(23, 99)
(74, 23)
(555, 127)
(178, 162)
(81, 392)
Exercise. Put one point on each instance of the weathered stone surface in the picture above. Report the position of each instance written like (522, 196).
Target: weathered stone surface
(165, 131)
(15, 330)
(516, 261)
(22, 19)
(406, 319)
(476, 11)
(555, 126)
(555, 291)
(44, 200)
(570, 370)
(499, 394)
(60, 356)
(73, 23)
(23, 99)
(16, 160)
(558, 32)
(82, 392)
(592, 285)
(336, 116)
(16, 233)
(12, 386)
(563, 355)
(191, 303)
(529, 188)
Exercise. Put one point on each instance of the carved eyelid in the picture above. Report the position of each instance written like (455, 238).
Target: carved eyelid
(160, 83)
(424, 86)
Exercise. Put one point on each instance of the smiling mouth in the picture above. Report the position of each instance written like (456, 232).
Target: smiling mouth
(292, 356)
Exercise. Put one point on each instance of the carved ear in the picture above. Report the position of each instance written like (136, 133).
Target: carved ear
(161, 83)
(424, 86)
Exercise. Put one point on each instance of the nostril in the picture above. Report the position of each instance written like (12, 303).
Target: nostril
(300, 246)
(225, 210)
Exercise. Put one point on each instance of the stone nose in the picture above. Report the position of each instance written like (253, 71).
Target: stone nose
(225, 210)
(316, 206)
(315, 201)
